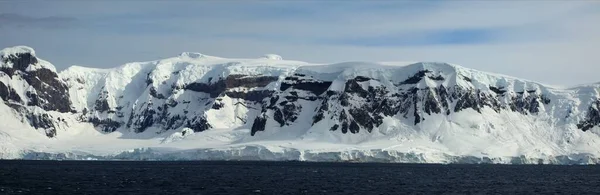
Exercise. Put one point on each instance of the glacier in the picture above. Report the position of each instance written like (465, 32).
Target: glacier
(199, 107)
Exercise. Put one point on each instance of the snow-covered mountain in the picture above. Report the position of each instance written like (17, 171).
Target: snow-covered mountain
(195, 106)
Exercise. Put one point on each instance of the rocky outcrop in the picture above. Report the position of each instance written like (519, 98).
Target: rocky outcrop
(42, 88)
(592, 118)
(49, 93)
(232, 81)
(302, 82)
(9, 94)
(364, 102)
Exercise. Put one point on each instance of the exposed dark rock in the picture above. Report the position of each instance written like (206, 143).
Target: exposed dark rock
(321, 112)
(19, 62)
(232, 81)
(314, 86)
(431, 104)
(217, 105)
(254, 95)
(291, 111)
(174, 122)
(146, 120)
(334, 127)
(467, 79)
(43, 121)
(258, 125)
(527, 103)
(474, 99)
(344, 99)
(497, 90)
(361, 79)
(4, 92)
(415, 78)
(273, 101)
(148, 79)
(292, 98)
(213, 89)
(155, 94)
(249, 81)
(592, 118)
(363, 118)
(171, 103)
(278, 116)
(7, 93)
(470, 99)
(344, 127)
(198, 124)
(283, 102)
(50, 89)
(353, 87)
(436, 78)
(416, 114)
(101, 105)
(354, 128)
(105, 125)
(51, 93)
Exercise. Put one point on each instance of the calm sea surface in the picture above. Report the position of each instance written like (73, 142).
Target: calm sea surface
(116, 177)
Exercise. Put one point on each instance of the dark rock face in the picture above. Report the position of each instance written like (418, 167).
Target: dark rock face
(286, 106)
(4, 92)
(155, 94)
(362, 106)
(145, 120)
(254, 95)
(106, 125)
(53, 92)
(8, 94)
(593, 117)
(232, 81)
(415, 78)
(198, 124)
(301, 82)
(217, 105)
(258, 125)
(43, 121)
(101, 105)
(48, 91)
(19, 62)
(527, 103)
(157, 110)
(497, 90)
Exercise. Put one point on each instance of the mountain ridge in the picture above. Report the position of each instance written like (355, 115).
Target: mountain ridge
(268, 99)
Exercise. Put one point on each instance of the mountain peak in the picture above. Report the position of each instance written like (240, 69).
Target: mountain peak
(21, 49)
(191, 55)
(272, 57)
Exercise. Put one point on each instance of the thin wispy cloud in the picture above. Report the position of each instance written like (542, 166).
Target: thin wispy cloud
(8, 20)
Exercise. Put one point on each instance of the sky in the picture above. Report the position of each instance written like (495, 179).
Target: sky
(552, 42)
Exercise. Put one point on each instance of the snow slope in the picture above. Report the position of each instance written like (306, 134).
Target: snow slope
(199, 107)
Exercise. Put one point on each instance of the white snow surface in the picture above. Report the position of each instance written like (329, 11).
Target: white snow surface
(12, 51)
(549, 137)
(16, 50)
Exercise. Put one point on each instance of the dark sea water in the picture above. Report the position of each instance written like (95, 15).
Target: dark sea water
(116, 177)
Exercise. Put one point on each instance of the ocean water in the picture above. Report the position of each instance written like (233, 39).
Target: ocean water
(193, 177)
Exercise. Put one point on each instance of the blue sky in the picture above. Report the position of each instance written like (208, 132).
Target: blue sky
(553, 42)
